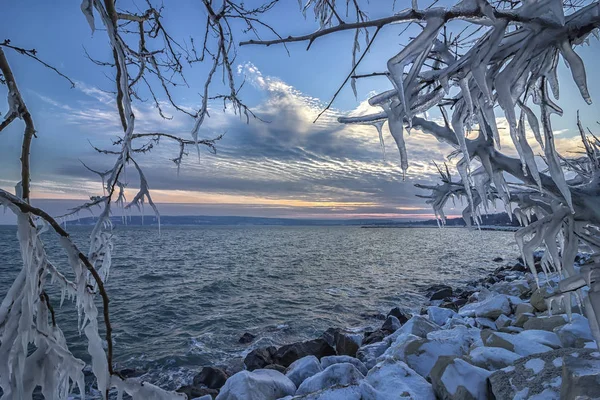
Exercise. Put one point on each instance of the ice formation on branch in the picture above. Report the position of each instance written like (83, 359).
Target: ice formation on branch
(503, 57)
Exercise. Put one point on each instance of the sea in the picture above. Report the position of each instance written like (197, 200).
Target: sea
(181, 297)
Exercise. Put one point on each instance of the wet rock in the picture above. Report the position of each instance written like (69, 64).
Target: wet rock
(330, 360)
(455, 379)
(287, 354)
(519, 267)
(535, 376)
(580, 378)
(193, 392)
(439, 292)
(335, 375)
(393, 379)
(498, 259)
(374, 337)
(346, 343)
(329, 336)
(260, 358)
(262, 384)
(131, 372)
(246, 338)
(399, 313)
(211, 377)
(233, 366)
(391, 324)
(303, 368)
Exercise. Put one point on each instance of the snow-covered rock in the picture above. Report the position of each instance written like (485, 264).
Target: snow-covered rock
(391, 324)
(417, 325)
(513, 288)
(484, 323)
(368, 354)
(512, 342)
(491, 307)
(330, 360)
(352, 392)
(303, 368)
(261, 384)
(392, 379)
(205, 397)
(576, 333)
(343, 374)
(455, 379)
(538, 376)
(440, 315)
(492, 358)
(546, 338)
(581, 377)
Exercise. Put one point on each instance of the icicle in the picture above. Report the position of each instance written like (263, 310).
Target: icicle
(577, 69)
(379, 126)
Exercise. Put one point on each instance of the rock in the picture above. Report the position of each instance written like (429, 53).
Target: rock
(205, 397)
(503, 321)
(276, 367)
(439, 315)
(368, 354)
(303, 368)
(330, 360)
(536, 376)
(519, 267)
(523, 346)
(538, 298)
(545, 323)
(455, 379)
(524, 308)
(346, 343)
(287, 354)
(491, 307)
(392, 379)
(522, 319)
(353, 392)
(576, 333)
(329, 336)
(262, 384)
(402, 315)
(498, 259)
(580, 378)
(484, 323)
(374, 337)
(512, 288)
(337, 374)
(417, 325)
(439, 292)
(391, 324)
(131, 372)
(211, 377)
(246, 338)
(492, 358)
(193, 392)
(233, 366)
(260, 358)
(546, 338)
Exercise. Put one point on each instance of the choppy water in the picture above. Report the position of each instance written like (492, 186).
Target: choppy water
(182, 298)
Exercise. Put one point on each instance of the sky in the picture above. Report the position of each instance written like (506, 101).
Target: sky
(282, 166)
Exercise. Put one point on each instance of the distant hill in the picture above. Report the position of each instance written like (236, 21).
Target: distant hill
(206, 220)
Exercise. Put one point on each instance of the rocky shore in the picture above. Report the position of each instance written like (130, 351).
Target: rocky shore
(492, 339)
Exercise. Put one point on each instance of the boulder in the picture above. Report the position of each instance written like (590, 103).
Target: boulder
(262, 384)
(287, 354)
(439, 292)
(513, 288)
(368, 354)
(524, 308)
(329, 336)
(538, 298)
(276, 367)
(536, 376)
(455, 379)
(260, 358)
(352, 392)
(485, 323)
(303, 368)
(374, 337)
(498, 259)
(393, 379)
(193, 392)
(576, 333)
(522, 345)
(503, 321)
(417, 325)
(211, 377)
(343, 374)
(205, 397)
(439, 315)
(346, 343)
(581, 377)
(491, 307)
(246, 338)
(399, 313)
(492, 358)
(391, 324)
(545, 323)
(330, 360)
(522, 319)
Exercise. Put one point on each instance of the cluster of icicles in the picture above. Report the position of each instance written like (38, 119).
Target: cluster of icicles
(508, 67)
